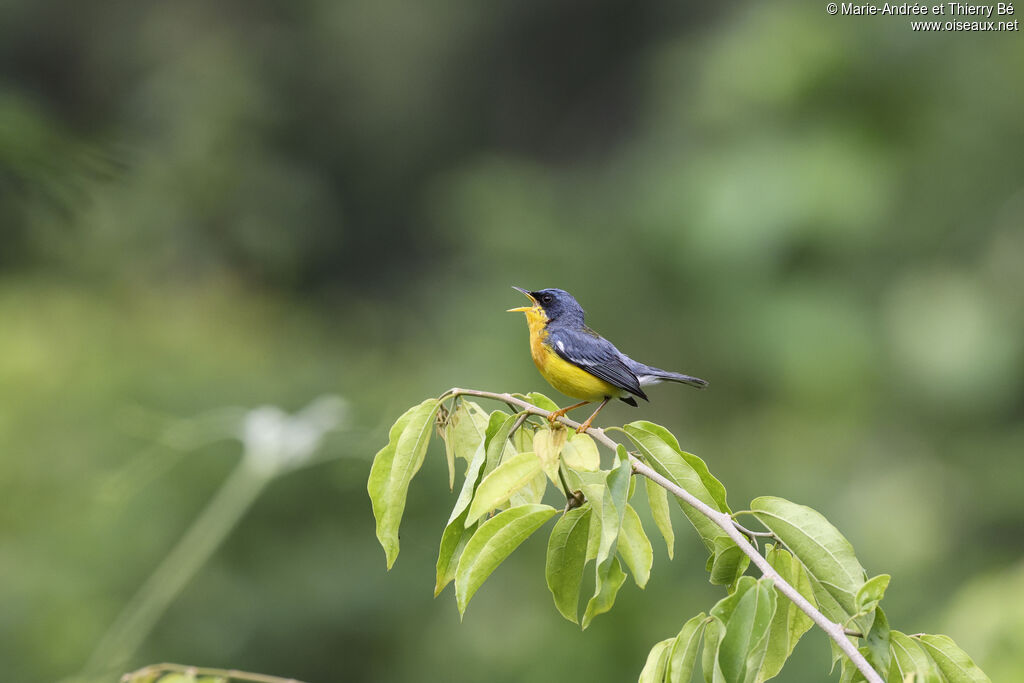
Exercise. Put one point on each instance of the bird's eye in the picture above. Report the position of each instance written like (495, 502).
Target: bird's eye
(546, 299)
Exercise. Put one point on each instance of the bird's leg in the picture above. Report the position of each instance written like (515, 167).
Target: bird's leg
(553, 417)
(586, 425)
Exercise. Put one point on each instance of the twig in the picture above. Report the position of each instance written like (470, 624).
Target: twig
(517, 424)
(147, 672)
(722, 519)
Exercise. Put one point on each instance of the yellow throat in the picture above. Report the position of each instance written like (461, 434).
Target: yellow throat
(561, 374)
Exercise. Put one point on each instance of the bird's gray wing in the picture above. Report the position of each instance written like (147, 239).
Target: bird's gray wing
(595, 354)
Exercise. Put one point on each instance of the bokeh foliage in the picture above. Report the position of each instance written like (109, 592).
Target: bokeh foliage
(228, 204)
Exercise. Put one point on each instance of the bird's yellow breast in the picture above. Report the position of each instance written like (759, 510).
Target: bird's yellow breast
(560, 373)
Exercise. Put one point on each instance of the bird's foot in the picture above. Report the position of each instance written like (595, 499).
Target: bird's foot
(585, 426)
(555, 415)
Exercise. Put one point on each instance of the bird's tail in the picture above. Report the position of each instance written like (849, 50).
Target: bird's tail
(650, 375)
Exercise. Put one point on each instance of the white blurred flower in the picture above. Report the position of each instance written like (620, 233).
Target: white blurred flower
(275, 441)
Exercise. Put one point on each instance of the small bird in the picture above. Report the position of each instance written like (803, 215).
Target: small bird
(581, 363)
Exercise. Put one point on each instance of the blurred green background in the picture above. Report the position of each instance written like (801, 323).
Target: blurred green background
(206, 205)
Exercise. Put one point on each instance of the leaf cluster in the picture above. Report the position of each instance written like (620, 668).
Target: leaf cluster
(512, 460)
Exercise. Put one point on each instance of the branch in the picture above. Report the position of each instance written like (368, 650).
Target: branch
(228, 674)
(722, 519)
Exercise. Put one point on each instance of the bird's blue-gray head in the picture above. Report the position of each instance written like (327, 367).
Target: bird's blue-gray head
(557, 304)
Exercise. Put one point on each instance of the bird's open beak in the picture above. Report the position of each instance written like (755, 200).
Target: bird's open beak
(522, 309)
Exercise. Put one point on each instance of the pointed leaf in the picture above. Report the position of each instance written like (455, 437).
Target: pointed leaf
(593, 485)
(532, 492)
(566, 558)
(541, 401)
(910, 659)
(956, 666)
(497, 442)
(613, 508)
(522, 440)
(747, 615)
(456, 535)
(837, 654)
(877, 644)
(580, 453)
(683, 655)
(711, 484)
(789, 622)
(661, 451)
(548, 444)
(713, 634)
(824, 552)
(608, 584)
(609, 504)
(465, 429)
(492, 543)
(495, 489)
(453, 542)
(657, 662)
(871, 593)
(657, 498)
(850, 673)
(727, 563)
(635, 548)
(394, 467)
(717, 630)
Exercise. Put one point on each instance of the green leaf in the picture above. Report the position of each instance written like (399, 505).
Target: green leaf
(548, 444)
(522, 440)
(609, 504)
(909, 658)
(566, 559)
(580, 453)
(613, 508)
(789, 622)
(657, 662)
(850, 673)
(683, 655)
(609, 581)
(593, 485)
(713, 634)
(712, 485)
(394, 467)
(495, 489)
(657, 498)
(453, 542)
(532, 492)
(492, 543)
(724, 609)
(956, 666)
(635, 547)
(871, 593)
(837, 654)
(497, 443)
(727, 563)
(824, 552)
(661, 451)
(465, 429)
(541, 401)
(747, 616)
(494, 421)
(877, 644)
(456, 535)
